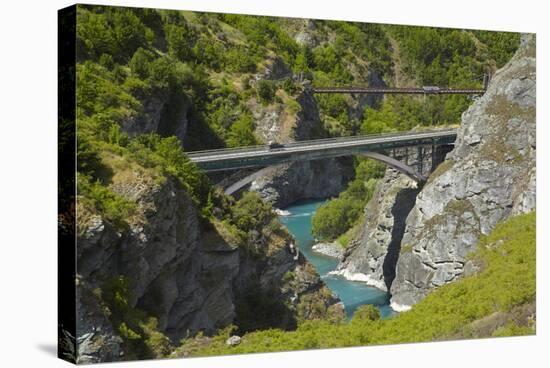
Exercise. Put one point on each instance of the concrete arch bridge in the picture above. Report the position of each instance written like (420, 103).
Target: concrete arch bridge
(414, 153)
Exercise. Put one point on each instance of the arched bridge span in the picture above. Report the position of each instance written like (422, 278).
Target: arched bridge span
(381, 147)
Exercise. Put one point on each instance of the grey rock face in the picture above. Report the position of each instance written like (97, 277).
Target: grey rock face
(372, 255)
(333, 250)
(489, 176)
(269, 121)
(306, 35)
(179, 270)
(164, 114)
(233, 340)
(277, 69)
(374, 79)
(302, 180)
(308, 122)
(96, 340)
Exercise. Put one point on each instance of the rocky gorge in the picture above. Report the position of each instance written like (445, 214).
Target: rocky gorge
(414, 240)
(189, 274)
(167, 264)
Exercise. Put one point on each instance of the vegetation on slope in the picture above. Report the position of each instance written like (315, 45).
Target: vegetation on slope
(504, 285)
(335, 217)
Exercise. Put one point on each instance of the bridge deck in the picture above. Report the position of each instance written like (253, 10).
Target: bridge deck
(236, 158)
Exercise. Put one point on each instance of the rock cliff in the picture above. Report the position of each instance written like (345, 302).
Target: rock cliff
(489, 176)
(165, 113)
(191, 274)
(373, 252)
(415, 239)
(372, 255)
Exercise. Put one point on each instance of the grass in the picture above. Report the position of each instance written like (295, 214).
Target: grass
(406, 248)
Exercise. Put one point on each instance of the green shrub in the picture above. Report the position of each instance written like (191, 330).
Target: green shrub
(139, 332)
(241, 132)
(150, 150)
(114, 31)
(334, 218)
(114, 208)
(251, 212)
(266, 91)
(240, 59)
(500, 45)
(180, 39)
(140, 64)
(337, 216)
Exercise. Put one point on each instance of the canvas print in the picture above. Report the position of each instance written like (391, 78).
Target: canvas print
(236, 184)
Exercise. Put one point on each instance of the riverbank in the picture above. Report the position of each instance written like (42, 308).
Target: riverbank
(353, 294)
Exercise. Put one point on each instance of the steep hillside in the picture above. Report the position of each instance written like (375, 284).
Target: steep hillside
(413, 240)
(165, 272)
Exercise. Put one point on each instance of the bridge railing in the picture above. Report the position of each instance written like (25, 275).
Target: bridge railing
(367, 136)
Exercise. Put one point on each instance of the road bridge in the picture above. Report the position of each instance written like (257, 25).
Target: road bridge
(377, 146)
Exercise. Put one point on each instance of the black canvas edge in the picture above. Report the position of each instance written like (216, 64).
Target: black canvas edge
(66, 175)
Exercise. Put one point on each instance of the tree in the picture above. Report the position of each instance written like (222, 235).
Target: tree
(129, 33)
(325, 58)
(252, 212)
(266, 91)
(241, 132)
(180, 39)
(140, 64)
(334, 218)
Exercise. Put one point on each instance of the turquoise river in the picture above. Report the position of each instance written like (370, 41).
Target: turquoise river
(353, 294)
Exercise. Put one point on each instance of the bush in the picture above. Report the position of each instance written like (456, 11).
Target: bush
(334, 218)
(241, 132)
(114, 31)
(325, 58)
(337, 216)
(251, 212)
(210, 53)
(140, 64)
(266, 91)
(113, 207)
(139, 332)
(180, 39)
(150, 150)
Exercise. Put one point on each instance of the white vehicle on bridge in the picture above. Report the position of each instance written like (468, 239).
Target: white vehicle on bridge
(431, 89)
